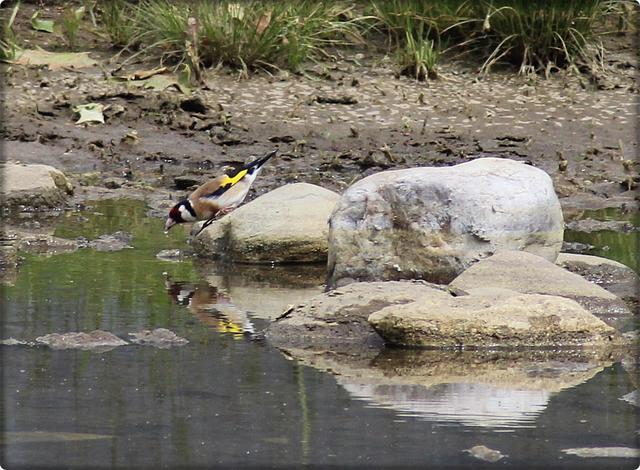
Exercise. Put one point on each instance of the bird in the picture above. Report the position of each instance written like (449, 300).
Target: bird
(216, 197)
(210, 305)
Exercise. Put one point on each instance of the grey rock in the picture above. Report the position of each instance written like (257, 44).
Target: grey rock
(38, 186)
(530, 274)
(615, 277)
(185, 182)
(113, 183)
(592, 225)
(159, 338)
(96, 340)
(576, 247)
(9, 259)
(433, 223)
(112, 242)
(13, 342)
(286, 225)
(481, 452)
(46, 244)
(170, 255)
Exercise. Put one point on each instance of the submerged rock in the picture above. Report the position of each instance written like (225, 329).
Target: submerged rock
(592, 225)
(485, 453)
(171, 255)
(46, 244)
(433, 223)
(491, 318)
(159, 338)
(112, 242)
(598, 452)
(286, 225)
(96, 340)
(576, 247)
(9, 259)
(530, 274)
(22, 437)
(39, 186)
(13, 342)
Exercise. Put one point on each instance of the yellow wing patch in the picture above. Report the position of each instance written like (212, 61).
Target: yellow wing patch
(227, 180)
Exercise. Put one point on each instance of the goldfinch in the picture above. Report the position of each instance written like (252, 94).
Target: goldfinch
(216, 197)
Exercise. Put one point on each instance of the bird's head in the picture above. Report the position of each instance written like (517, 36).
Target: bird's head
(180, 213)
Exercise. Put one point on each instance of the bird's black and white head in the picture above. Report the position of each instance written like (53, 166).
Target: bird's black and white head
(180, 213)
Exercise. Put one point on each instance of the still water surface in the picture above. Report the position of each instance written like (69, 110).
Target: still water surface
(229, 399)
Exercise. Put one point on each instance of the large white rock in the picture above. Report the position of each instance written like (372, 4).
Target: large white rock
(432, 223)
(33, 185)
(286, 225)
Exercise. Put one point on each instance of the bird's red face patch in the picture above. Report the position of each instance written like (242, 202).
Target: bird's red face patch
(174, 213)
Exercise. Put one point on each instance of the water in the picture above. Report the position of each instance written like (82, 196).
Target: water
(620, 246)
(230, 399)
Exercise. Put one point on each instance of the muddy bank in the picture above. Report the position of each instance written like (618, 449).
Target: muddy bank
(341, 120)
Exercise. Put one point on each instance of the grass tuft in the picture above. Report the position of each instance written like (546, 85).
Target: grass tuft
(536, 35)
(118, 22)
(244, 35)
(8, 41)
(70, 24)
(417, 57)
(532, 35)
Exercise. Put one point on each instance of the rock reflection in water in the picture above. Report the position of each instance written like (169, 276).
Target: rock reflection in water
(504, 389)
(464, 403)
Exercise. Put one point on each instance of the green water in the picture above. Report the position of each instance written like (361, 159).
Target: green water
(619, 246)
(102, 290)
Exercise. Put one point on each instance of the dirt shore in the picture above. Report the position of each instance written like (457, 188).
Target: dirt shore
(339, 121)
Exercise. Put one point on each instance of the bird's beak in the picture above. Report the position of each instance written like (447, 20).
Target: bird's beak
(168, 224)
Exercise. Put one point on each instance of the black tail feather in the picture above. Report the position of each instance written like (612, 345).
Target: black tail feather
(258, 162)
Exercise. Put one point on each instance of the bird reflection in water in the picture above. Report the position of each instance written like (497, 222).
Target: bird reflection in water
(210, 306)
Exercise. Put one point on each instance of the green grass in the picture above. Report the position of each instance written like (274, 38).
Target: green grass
(437, 19)
(531, 35)
(8, 40)
(70, 24)
(527, 36)
(536, 35)
(243, 35)
(419, 30)
(117, 18)
(417, 57)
